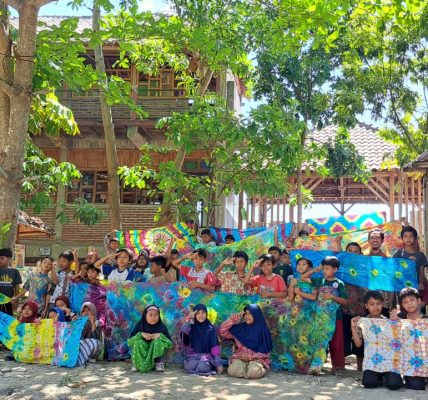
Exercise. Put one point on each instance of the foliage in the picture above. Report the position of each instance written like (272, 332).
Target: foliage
(83, 212)
(342, 158)
(42, 175)
(384, 71)
(4, 230)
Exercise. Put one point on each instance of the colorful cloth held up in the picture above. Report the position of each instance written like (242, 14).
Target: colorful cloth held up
(4, 299)
(300, 330)
(157, 240)
(374, 273)
(344, 223)
(219, 234)
(50, 342)
(396, 346)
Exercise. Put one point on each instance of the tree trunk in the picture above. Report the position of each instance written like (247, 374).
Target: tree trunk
(15, 103)
(299, 197)
(109, 135)
(166, 207)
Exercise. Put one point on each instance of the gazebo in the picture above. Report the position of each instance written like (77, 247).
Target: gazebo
(386, 186)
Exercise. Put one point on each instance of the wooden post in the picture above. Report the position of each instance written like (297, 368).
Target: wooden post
(406, 196)
(420, 216)
(425, 189)
(391, 196)
(284, 208)
(240, 206)
(342, 196)
(253, 211)
(413, 202)
(264, 214)
(400, 194)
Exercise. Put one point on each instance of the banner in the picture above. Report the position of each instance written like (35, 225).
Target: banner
(395, 346)
(157, 240)
(344, 223)
(391, 243)
(374, 273)
(300, 330)
(50, 342)
(238, 234)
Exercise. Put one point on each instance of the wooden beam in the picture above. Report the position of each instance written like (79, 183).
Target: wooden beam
(253, 211)
(406, 196)
(284, 208)
(385, 198)
(391, 196)
(278, 203)
(420, 216)
(400, 194)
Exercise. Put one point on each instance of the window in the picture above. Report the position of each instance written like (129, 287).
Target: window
(165, 84)
(196, 167)
(93, 187)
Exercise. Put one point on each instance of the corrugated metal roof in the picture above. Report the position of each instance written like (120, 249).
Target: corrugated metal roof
(367, 142)
(85, 22)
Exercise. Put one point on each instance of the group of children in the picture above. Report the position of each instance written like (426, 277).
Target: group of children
(270, 276)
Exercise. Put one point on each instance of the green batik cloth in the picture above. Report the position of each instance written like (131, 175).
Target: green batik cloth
(143, 352)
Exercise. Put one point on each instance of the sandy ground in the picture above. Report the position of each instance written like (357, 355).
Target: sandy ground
(114, 380)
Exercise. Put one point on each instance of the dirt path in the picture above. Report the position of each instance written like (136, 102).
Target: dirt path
(114, 380)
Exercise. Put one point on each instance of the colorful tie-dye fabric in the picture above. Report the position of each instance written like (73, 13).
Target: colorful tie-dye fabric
(391, 243)
(344, 223)
(397, 346)
(50, 342)
(4, 299)
(219, 234)
(301, 330)
(374, 273)
(157, 239)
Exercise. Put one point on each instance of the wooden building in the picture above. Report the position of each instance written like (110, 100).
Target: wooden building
(159, 96)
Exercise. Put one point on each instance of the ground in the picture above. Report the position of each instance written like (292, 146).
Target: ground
(114, 380)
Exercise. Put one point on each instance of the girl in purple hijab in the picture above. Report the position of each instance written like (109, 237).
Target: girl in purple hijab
(200, 347)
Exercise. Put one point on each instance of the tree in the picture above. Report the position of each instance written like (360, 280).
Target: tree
(251, 155)
(384, 71)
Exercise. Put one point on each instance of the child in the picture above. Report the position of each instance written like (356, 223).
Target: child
(92, 271)
(91, 339)
(207, 238)
(371, 379)
(29, 312)
(157, 269)
(268, 284)
(120, 273)
(410, 303)
(38, 286)
(251, 360)
(57, 314)
(149, 341)
(198, 277)
(233, 281)
(304, 286)
(409, 236)
(62, 279)
(141, 266)
(82, 274)
(229, 239)
(63, 303)
(10, 279)
(200, 346)
(330, 265)
(282, 265)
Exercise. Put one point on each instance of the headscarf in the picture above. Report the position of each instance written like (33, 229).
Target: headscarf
(34, 308)
(61, 315)
(144, 326)
(91, 306)
(203, 335)
(64, 299)
(255, 336)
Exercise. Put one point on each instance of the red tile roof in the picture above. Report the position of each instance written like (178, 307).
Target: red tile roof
(367, 141)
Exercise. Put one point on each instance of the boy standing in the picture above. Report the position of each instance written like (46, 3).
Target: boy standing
(198, 277)
(10, 279)
(330, 265)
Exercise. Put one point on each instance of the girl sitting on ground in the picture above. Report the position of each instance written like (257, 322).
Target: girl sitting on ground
(200, 346)
(29, 312)
(251, 360)
(149, 341)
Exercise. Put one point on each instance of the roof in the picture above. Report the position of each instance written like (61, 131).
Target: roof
(420, 163)
(367, 142)
(85, 22)
(31, 225)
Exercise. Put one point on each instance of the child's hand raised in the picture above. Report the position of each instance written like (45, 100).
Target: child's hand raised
(229, 260)
(256, 264)
(354, 322)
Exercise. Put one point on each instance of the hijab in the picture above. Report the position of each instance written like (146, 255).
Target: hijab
(91, 306)
(203, 335)
(61, 315)
(34, 308)
(64, 299)
(144, 326)
(255, 336)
